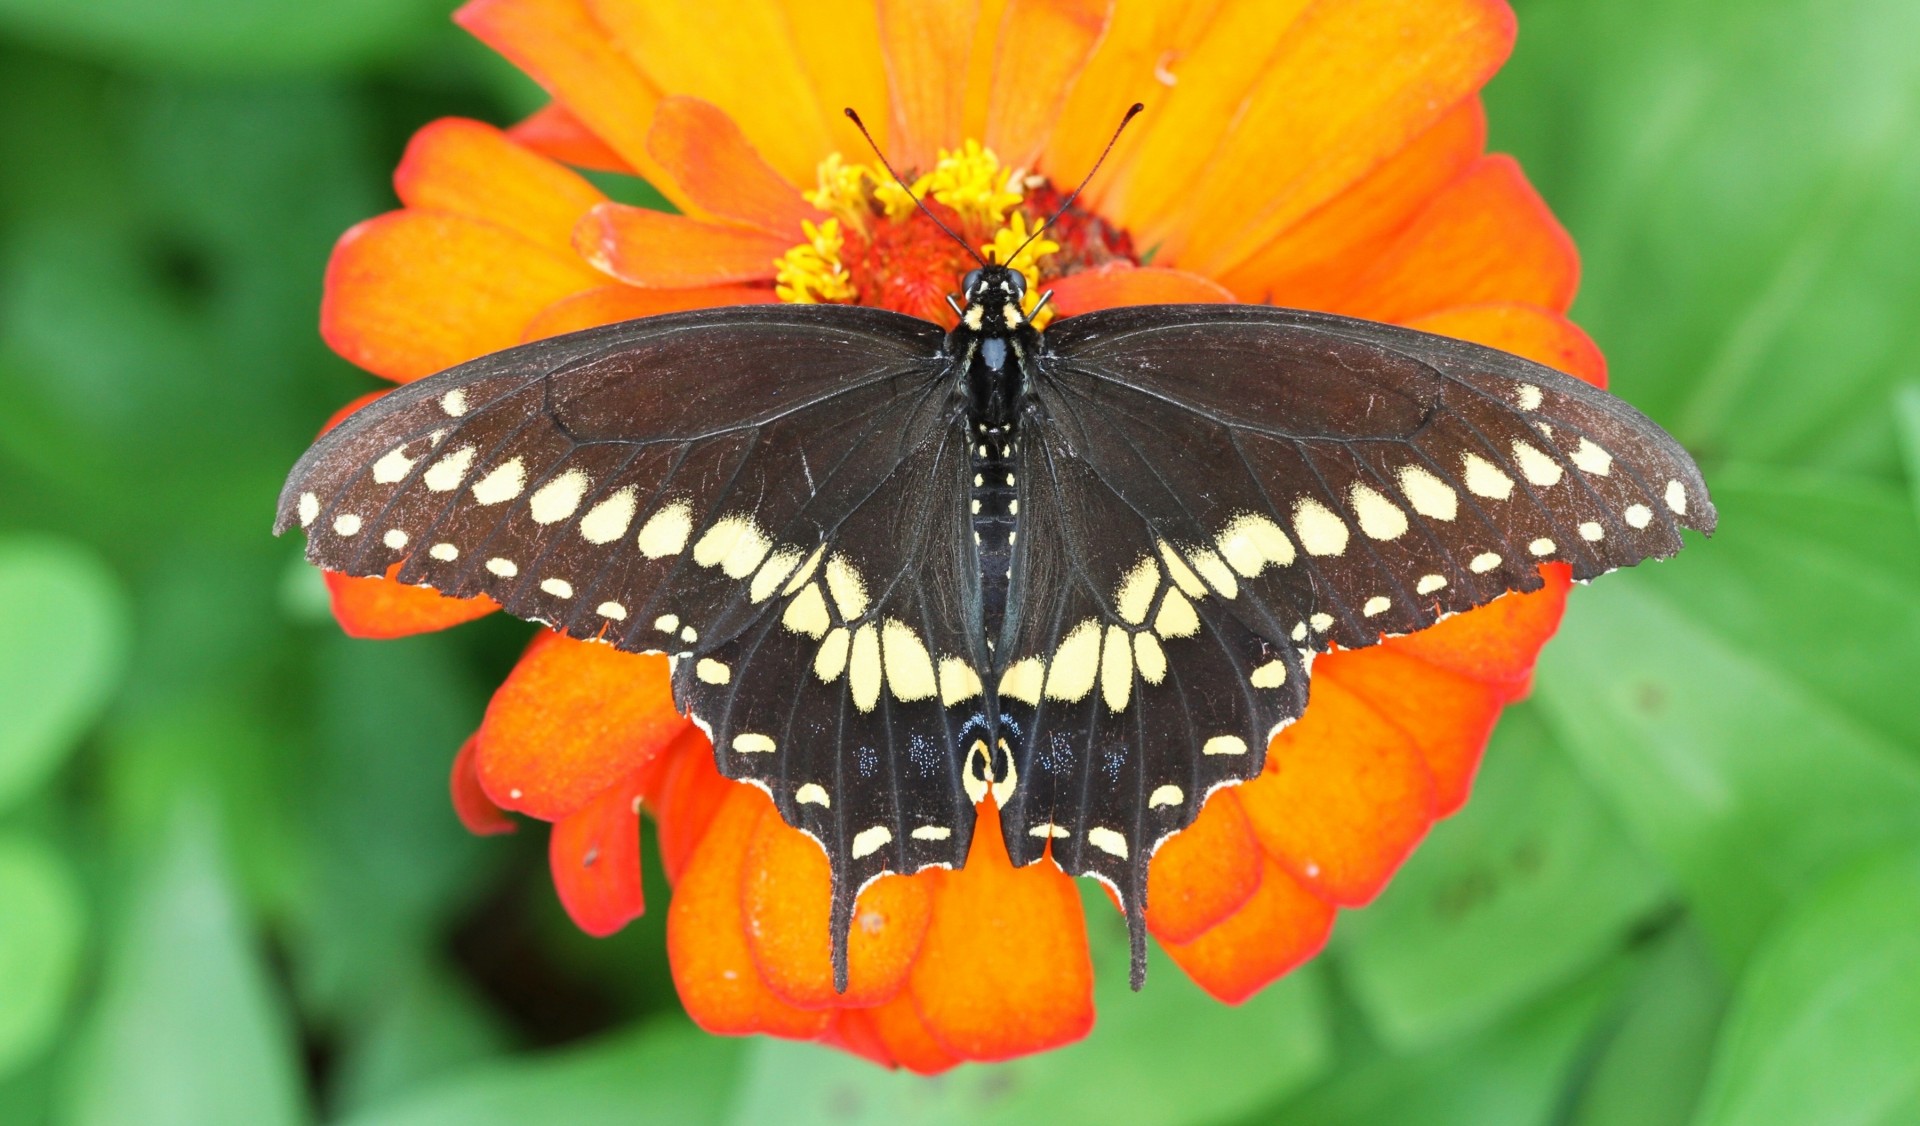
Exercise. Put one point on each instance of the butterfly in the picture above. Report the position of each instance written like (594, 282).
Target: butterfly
(899, 569)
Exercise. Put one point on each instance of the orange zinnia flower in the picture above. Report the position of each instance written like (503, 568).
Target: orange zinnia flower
(1325, 155)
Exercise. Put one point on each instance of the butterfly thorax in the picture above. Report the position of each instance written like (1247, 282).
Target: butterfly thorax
(994, 340)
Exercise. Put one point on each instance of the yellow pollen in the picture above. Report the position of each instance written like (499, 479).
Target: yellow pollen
(843, 190)
(969, 179)
(811, 273)
(1007, 240)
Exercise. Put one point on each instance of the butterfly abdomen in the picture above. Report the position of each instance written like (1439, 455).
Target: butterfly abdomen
(996, 517)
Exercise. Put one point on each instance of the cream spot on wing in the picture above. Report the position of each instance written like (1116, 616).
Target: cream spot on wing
(1166, 795)
(813, 794)
(559, 588)
(1299, 631)
(1639, 515)
(909, 667)
(505, 568)
(309, 508)
(805, 573)
(1379, 517)
(1047, 829)
(502, 483)
(1484, 479)
(1023, 679)
(395, 539)
(1535, 466)
(866, 842)
(1541, 546)
(1250, 541)
(1273, 674)
(958, 681)
(931, 833)
(346, 524)
(1592, 459)
(772, 573)
(719, 542)
(711, 671)
(1321, 532)
(832, 656)
(1429, 495)
(1484, 562)
(689, 635)
(1676, 498)
(1075, 663)
(393, 467)
(1107, 841)
(849, 590)
(807, 613)
(1181, 574)
(1592, 532)
(667, 623)
(612, 611)
(1116, 669)
(1224, 745)
(1376, 606)
(454, 402)
(864, 672)
(753, 743)
(666, 531)
(444, 552)
(1321, 622)
(1150, 658)
(1528, 396)
(445, 475)
(1134, 596)
(1430, 583)
(1215, 571)
(1176, 617)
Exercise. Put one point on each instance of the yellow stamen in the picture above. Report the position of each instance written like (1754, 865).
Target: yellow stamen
(1005, 242)
(811, 273)
(843, 190)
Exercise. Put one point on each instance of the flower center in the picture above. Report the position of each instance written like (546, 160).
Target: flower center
(877, 248)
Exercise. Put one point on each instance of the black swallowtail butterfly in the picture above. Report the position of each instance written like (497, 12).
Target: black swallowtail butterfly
(898, 568)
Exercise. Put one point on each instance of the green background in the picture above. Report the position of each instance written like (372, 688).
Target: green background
(1687, 889)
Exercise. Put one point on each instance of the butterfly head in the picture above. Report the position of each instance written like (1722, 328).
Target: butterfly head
(994, 295)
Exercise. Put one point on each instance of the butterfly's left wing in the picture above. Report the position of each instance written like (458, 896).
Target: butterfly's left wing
(1212, 494)
(773, 496)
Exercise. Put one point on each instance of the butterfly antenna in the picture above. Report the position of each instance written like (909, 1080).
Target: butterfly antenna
(1111, 141)
(888, 165)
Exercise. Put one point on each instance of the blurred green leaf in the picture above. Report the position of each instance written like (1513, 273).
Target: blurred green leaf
(1906, 412)
(226, 36)
(1739, 175)
(667, 1072)
(63, 640)
(1530, 884)
(1166, 1055)
(1826, 1024)
(428, 1026)
(1696, 696)
(42, 930)
(187, 1028)
(1652, 1061)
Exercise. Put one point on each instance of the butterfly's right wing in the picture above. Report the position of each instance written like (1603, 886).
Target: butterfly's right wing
(774, 496)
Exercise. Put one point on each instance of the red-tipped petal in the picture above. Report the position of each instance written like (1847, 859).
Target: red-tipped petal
(471, 803)
(1497, 643)
(702, 148)
(654, 249)
(906, 1037)
(1204, 873)
(595, 855)
(555, 131)
(1538, 334)
(380, 607)
(1448, 716)
(467, 168)
(687, 795)
(1281, 926)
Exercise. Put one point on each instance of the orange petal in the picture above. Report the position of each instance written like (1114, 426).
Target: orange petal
(906, 1037)
(1525, 330)
(1448, 716)
(707, 940)
(702, 149)
(572, 719)
(611, 304)
(476, 170)
(851, 1030)
(471, 803)
(1120, 283)
(785, 899)
(1003, 970)
(737, 55)
(689, 792)
(1041, 48)
(595, 856)
(989, 21)
(1352, 84)
(1488, 237)
(838, 43)
(926, 44)
(1311, 264)
(651, 248)
(380, 607)
(562, 47)
(1345, 797)
(1282, 926)
(1204, 873)
(352, 408)
(554, 131)
(410, 293)
(1497, 643)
